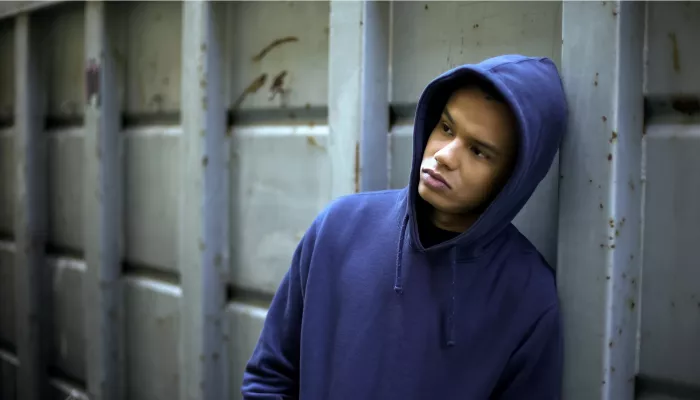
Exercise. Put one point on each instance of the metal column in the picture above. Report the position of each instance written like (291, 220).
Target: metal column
(30, 218)
(600, 211)
(103, 197)
(204, 216)
(358, 107)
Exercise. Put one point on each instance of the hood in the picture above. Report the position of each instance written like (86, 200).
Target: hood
(533, 90)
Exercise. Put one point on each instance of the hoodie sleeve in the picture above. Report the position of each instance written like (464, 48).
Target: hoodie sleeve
(273, 370)
(534, 371)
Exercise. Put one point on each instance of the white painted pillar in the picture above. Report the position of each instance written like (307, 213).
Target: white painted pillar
(600, 212)
(204, 213)
(358, 107)
(103, 200)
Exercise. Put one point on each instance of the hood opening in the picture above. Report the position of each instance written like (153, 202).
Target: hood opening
(533, 90)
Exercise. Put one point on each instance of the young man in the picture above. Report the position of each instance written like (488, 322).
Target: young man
(430, 292)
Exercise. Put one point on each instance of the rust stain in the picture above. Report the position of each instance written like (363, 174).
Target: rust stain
(612, 223)
(278, 85)
(609, 157)
(676, 55)
(254, 86)
(476, 26)
(312, 141)
(605, 118)
(275, 43)
(613, 137)
(357, 167)
(615, 12)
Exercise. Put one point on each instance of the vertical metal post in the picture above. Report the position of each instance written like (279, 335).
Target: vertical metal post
(358, 87)
(30, 218)
(600, 212)
(203, 216)
(103, 197)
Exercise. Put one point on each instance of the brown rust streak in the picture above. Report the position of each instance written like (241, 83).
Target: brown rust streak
(278, 85)
(676, 55)
(252, 88)
(289, 39)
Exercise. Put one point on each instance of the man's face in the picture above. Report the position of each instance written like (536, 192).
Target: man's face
(470, 153)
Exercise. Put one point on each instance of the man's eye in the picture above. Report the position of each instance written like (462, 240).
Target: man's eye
(478, 152)
(446, 129)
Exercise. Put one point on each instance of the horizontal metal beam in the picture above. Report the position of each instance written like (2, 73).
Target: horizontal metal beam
(11, 8)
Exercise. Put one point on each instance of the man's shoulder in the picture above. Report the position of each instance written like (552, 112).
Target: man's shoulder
(355, 212)
(365, 203)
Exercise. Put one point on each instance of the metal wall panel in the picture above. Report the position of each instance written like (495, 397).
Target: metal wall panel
(65, 181)
(672, 59)
(430, 38)
(280, 181)
(285, 40)
(7, 179)
(62, 31)
(8, 376)
(67, 349)
(152, 320)
(669, 344)
(7, 71)
(151, 50)
(7, 296)
(246, 323)
(151, 188)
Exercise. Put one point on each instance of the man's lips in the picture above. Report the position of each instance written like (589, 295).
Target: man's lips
(436, 175)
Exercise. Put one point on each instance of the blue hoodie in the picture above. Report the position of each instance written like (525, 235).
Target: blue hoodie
(367, 312)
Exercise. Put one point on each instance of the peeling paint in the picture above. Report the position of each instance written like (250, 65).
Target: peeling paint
(254, 86)
(277, 86)
(275, 43)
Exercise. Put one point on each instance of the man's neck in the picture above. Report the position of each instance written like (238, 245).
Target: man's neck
(452, 222)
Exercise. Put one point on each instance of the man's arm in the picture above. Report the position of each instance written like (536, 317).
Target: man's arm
(535, 369)
(273, 370)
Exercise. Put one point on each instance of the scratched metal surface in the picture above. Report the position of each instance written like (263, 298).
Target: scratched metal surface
(272, 207)
(670, 292)
(284, 40)
(152, 318)
(63, 40)
(7, 183)
(7, 70)
(67, 349)
(7, 296)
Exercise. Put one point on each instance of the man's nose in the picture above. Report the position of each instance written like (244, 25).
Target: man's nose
(447, 155)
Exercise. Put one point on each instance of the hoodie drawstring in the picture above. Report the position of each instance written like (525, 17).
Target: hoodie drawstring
(451, 316)
(398, 284)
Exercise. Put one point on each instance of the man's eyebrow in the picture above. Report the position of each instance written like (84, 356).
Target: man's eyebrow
(487, 146)
(447, 115)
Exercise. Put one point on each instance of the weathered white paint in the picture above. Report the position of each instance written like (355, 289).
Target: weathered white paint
(599, 210)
